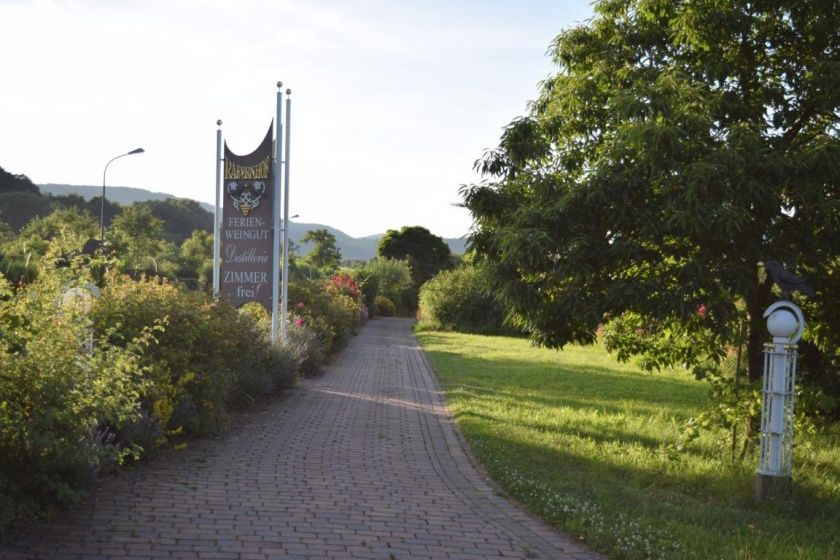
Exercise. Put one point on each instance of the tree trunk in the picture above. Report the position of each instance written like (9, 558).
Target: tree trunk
(757, 303)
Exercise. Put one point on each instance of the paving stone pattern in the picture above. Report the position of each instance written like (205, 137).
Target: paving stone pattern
(361, 462)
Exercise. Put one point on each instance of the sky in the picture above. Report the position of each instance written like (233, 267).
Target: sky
(392, 101)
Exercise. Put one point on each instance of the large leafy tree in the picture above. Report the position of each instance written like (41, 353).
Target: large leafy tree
(325, 254)
(678, 146)
(427, 253)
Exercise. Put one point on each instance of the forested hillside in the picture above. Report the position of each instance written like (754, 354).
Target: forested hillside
(21, 200)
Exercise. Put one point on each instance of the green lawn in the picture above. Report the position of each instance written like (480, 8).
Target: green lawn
(583, 441)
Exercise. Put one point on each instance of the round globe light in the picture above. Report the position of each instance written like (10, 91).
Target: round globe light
(782, 323)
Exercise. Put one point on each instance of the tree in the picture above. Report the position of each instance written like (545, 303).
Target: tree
(324, 255)
(678, 146)
(62, 231)
(6, 234)
(427, 254)
(390, 278)
(137, 236)
(196, 259)
(181, 217)
(18, 208)
(16, 183)
(12, 264)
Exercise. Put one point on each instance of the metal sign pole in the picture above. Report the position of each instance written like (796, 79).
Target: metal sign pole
(217, 215)
(275, 248)
(285, 298)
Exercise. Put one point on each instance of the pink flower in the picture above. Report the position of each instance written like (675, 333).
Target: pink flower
(701, 310)
(299, 322)
(300, 305)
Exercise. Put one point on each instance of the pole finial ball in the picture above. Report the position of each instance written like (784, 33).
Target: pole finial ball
(219, 122)
(288, 91)
(279, 84)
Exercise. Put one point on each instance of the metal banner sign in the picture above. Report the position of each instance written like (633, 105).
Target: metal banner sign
(247, 261)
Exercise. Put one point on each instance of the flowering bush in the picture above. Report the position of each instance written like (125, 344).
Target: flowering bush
(323, 309)
(346, 285)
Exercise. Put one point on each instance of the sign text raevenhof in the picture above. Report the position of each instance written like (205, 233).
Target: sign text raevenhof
(247, 217)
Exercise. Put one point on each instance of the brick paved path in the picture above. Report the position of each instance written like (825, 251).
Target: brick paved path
(362, 462)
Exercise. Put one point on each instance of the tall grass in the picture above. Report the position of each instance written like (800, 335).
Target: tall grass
(588, 444)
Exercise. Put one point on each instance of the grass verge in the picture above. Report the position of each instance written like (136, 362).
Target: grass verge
(584, 442)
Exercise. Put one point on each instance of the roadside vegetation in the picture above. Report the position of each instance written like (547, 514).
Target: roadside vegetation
(675, 176)
(111, 354)
(596, 448)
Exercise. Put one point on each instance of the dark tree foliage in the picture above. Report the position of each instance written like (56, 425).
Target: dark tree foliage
(16, 183)
(678, 146)
(18, 208)
(427, 253)
(181, 217)
(92, 206)
(21, 201)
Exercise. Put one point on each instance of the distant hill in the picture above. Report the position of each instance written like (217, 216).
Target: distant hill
(120, 195)
(356, 248)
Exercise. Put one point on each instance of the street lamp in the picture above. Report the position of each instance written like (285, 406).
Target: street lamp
(102, 208)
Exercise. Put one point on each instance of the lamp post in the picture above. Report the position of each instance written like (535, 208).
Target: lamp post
(786, 323)
(104, 173)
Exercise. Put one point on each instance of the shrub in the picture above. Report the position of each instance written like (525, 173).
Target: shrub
(306, 348)
(203, 356)
(462, 300)
(392, 279)
(302, 345)
(323, 309)
(385, 307)
(165, 362)
(346, 286)
(59, 405)
(368, 287)
(275, 364)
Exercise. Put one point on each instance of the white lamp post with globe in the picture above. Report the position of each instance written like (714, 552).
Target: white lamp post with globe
(785, 322)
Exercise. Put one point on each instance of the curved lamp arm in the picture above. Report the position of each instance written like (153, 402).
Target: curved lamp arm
(104, 174)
